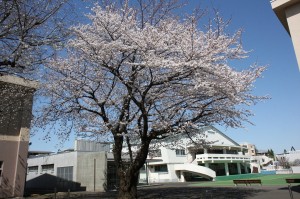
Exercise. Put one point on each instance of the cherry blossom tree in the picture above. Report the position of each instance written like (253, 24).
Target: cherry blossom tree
(138, 80)
(29, 33)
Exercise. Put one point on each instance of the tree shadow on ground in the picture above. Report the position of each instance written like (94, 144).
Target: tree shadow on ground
(295, 188)
(174, 192)
(198, 192)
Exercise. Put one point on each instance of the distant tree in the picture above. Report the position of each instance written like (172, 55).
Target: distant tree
(270, 153)
(292, 148)
(296, 162)
(285, 151)
(141, 75)
(284, 162)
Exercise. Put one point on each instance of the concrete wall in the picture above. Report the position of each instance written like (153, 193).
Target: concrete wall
(169, 156)
(91, 170)
(293, 19)
(15, 116)
(288, 12)
(296, 169)
(9, 167)
(45, 181)
(92, 146)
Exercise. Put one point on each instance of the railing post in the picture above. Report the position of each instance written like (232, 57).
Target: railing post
(291, 192)
(55, 193)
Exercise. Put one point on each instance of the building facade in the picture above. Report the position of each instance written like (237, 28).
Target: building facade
(290, 156)
(90, 165)
(288, 12)
(81, 168)
(15, 116)
(251, 149)
(222, 156)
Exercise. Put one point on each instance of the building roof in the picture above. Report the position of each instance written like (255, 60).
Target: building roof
(19, 81)
(225, 136)
(206, 137)
(39, 153)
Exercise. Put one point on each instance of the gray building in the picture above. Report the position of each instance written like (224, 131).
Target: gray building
(89, 166)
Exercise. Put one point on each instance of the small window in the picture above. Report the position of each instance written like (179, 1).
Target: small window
(231, 152)
(65, 173)
(48, 168)
(33, 169)
(1, 169)
(180, 152)
(161, 168)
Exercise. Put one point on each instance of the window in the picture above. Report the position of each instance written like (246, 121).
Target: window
(48, 168)
(231, 152)
(65, 173)
(180, 152)
(155, 153)
(215, 151)
(33, 169)
(161, 168)
(1, 169)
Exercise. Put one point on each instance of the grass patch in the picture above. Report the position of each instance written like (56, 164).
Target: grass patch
(267, 180)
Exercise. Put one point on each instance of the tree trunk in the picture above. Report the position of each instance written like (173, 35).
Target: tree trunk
(128, 185)
(128, 172)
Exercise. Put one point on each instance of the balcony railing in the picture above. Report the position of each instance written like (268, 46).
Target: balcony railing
(222, 158)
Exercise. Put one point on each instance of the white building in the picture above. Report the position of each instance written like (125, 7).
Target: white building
(289, 156)
(222, 156)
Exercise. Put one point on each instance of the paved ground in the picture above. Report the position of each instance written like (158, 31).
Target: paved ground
(185, 191)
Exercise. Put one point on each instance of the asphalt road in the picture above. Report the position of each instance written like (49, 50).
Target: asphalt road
(186, 191)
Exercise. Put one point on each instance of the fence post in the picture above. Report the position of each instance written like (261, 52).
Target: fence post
(55, 193)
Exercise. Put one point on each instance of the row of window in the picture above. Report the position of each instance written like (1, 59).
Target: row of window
(46, 168)
(161, 168)
(180, 152)
(157, 152)
(157, 168)
(61, 172)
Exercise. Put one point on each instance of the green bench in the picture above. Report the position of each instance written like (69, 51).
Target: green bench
(247, 182)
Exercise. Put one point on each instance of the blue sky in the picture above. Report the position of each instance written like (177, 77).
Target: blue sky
(277, 121)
